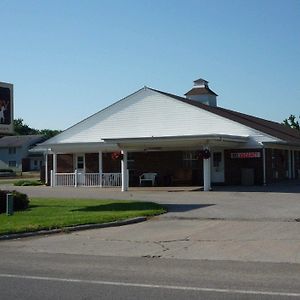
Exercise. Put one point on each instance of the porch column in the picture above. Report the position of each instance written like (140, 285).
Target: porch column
(46, 168)
(290, 164)
(206, 173)
(264, 167)
(124, 171)
(54, 168)
(100, 167)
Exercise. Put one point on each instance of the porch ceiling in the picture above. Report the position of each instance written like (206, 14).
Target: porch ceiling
(180, 142)
(78, 148)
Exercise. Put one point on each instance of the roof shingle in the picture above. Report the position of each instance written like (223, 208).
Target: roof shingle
(274, 129)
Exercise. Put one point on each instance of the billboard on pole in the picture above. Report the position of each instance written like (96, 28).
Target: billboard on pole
(6, 109)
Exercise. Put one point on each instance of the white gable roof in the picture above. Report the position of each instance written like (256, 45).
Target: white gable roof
(148, 113)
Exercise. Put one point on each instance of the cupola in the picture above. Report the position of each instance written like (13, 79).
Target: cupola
(202, 93)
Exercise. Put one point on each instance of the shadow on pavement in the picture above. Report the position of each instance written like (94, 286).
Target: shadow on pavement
(185, 207)
(291, 186)
(116, 207)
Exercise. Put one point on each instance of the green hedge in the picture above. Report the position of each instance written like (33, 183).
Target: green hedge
(21, 201)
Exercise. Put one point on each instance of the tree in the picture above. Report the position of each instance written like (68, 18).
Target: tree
(23, 129)
(49, 133)
(292, 122)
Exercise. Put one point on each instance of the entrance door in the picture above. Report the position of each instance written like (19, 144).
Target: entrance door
(80, 166)
(217, 166)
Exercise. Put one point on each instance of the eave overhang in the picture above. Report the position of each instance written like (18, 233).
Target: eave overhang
(178, 142)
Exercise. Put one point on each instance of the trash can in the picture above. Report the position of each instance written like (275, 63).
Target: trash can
(247, 177)
(9, 204)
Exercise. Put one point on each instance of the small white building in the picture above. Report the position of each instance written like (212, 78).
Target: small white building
(15, 155)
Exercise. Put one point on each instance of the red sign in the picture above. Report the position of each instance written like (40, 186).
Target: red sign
(246, 155)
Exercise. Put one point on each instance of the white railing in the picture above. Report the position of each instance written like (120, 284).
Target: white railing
(86, 179)
(65, 179)
(111, 179)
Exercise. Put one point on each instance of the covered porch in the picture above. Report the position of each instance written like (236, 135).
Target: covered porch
(192, 161)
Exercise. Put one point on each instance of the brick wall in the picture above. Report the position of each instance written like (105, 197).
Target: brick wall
(65, 163)
(234, 166)
(110, 165)
(92, 163)
(169, 165)
(277, 165)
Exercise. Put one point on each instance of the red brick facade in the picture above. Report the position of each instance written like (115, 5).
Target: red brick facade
(234, 166)
(174, 169)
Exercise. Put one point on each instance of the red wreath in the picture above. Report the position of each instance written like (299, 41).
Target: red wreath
(203, 154)
(206, 154)
(116, 155)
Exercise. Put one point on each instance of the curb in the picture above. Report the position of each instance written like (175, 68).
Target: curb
(72, 228)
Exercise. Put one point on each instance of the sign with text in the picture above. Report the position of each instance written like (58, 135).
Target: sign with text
(6, 108)
(244, 155)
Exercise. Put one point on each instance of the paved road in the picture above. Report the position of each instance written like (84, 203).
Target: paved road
(59, 276)
(217, 245)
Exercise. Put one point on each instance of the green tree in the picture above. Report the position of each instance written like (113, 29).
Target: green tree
(292, 122)
(23, 129)
(49, 133)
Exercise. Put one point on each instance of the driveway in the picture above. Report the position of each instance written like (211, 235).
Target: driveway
(219, 225)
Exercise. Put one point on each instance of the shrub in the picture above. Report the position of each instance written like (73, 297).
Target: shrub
(21, 201)
(28, 183)
(7, 173)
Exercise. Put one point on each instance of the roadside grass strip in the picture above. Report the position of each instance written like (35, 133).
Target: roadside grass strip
(49, 213)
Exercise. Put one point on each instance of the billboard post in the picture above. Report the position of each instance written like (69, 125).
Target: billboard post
(6, 109)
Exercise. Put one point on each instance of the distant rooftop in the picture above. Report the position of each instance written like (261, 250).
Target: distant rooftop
(20, 140)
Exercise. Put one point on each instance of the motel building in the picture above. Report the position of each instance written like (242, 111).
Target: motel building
(154, 138)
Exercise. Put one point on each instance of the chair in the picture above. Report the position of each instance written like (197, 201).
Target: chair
(146, 177)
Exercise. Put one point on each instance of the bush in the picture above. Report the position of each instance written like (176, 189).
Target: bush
(7, 173)
(28, 183)
(21, 201)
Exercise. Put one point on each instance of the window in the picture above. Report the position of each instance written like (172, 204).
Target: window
(12, 150)
(217, 158)
(80, 162)
(12, 163)
(130, 161)
(190, 159)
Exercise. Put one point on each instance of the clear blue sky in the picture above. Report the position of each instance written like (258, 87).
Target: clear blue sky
(69, 59)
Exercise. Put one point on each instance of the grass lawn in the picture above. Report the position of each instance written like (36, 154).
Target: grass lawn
(47, 213)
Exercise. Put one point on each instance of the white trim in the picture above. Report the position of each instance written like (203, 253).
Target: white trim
(100, 166)
(206, 172)
(124, 171)
(264, 167)
(46, 168)
(54, 168)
